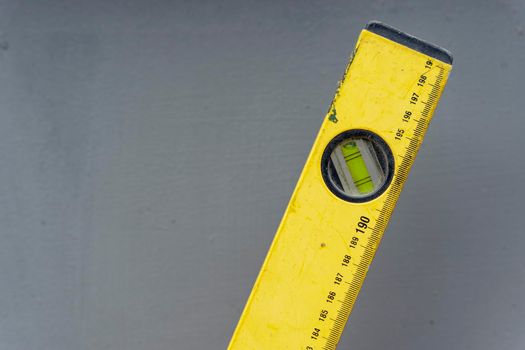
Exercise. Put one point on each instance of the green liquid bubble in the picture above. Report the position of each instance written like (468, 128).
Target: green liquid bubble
(357, 167)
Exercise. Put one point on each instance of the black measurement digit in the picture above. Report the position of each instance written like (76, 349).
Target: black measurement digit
(309, 348)
(422, 80)
(346, 260)
(399, 134)
(315, 333)
(406, 116)
(353, 242)
(331, 297)
(323, 315)
(338, 278)
(362, 224)
(414, 98)
(428, 64)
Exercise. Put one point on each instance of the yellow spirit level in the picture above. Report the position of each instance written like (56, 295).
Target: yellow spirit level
(345, 195)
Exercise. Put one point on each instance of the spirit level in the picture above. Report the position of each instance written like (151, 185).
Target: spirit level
(345, 195)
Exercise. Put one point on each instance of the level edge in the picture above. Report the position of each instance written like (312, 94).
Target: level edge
(410, 41)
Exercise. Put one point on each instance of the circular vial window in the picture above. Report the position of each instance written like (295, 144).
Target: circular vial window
(357, 165)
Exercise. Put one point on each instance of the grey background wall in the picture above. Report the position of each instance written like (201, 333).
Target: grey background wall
(149, 148)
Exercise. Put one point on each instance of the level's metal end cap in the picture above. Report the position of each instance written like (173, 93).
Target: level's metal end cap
(409, 41)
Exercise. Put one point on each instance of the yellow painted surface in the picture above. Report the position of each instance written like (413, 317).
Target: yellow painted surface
(291, 305)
